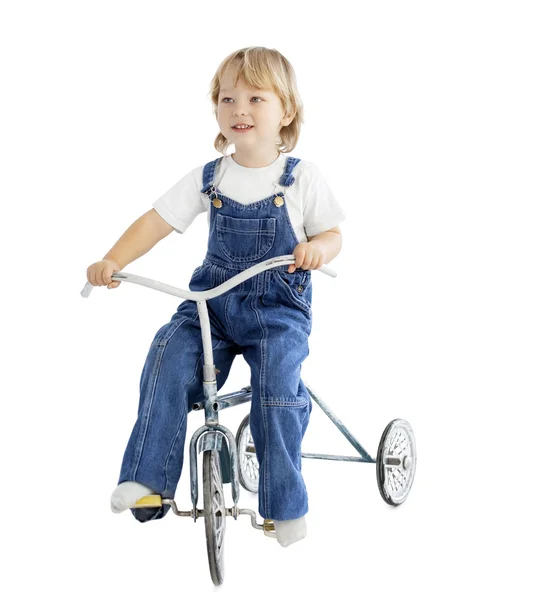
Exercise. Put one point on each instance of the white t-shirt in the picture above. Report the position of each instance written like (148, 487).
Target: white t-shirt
(312, 206)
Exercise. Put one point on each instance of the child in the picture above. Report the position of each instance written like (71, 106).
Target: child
(260, 204)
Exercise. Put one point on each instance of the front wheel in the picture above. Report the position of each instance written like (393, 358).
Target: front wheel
(214, 513)
(396, 462)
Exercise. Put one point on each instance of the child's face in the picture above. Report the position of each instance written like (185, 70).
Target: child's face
(243, 104)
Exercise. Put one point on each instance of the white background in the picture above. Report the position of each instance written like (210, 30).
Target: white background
(432, 123)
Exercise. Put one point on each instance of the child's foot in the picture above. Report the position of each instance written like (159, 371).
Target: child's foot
(126, 494)
(288, 532)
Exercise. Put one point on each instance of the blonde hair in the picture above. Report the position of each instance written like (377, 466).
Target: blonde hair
(262, 68)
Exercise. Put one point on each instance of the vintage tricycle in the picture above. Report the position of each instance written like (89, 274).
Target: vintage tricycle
(227, 459)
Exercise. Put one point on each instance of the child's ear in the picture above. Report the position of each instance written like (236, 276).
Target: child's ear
(287, 120)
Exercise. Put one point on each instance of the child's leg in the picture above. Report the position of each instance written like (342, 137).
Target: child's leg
(171, 381)
(277, 430)
(279, 415)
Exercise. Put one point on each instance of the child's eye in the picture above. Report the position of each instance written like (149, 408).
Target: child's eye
(223, 100)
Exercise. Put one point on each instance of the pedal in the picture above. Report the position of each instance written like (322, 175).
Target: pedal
(269, 528)
(153, 501)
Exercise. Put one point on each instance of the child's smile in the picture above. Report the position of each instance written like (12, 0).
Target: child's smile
(242, 128)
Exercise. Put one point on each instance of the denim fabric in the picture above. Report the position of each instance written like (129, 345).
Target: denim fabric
(267, 319)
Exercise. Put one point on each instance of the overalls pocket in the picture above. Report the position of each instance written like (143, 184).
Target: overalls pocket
(245, 240)
(296, 287)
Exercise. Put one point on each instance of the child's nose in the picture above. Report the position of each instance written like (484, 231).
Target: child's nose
(240, 109)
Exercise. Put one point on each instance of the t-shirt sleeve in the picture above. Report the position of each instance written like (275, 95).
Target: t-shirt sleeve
(180, 205)
(322, 210)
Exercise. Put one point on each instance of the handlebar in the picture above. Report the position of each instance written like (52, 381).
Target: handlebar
(288, 259)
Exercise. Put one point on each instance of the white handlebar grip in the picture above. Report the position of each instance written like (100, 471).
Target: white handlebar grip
(86, 290)
(328, 271)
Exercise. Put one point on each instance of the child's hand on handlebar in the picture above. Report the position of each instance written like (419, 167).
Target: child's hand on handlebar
(100, 273)
(308, 256)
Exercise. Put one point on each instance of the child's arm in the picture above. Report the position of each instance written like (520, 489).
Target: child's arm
(137, 240)
(319, 250)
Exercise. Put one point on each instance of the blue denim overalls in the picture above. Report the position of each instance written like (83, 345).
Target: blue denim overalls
(267, 319)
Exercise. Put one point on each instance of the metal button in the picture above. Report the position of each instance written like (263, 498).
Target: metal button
(279, 200)
(300, 288)
(217, 203)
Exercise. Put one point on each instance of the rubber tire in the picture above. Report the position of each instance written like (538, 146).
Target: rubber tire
(213, 485)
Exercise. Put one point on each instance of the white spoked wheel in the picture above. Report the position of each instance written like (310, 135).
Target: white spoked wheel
(215, 514)
(396, 462)
(248, 467)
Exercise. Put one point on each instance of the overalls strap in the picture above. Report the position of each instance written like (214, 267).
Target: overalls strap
(286, 179)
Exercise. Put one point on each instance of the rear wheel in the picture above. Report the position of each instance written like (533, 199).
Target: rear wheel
(248, 466)
(396, 462)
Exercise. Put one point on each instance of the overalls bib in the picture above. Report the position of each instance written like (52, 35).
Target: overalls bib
(267, 319)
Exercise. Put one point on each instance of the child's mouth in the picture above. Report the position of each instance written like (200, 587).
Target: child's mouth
(242, 130)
